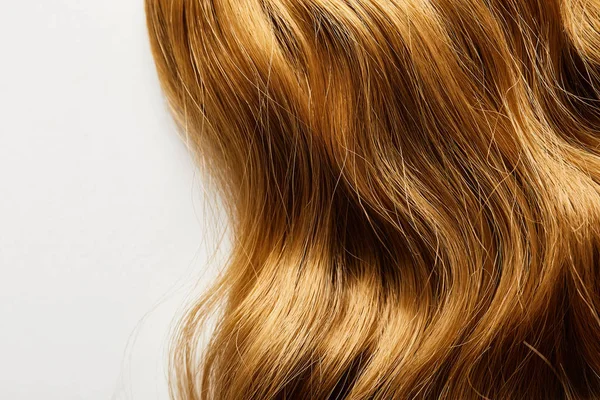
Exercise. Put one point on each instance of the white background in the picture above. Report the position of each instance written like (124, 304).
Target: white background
(102, 217)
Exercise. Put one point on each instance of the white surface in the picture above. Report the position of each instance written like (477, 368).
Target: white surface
(101, 215)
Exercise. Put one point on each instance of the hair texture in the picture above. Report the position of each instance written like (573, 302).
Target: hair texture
(414, 195)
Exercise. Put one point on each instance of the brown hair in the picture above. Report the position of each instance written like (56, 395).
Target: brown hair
(414, 190)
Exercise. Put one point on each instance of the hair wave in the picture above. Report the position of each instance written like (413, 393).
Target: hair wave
(414, 190)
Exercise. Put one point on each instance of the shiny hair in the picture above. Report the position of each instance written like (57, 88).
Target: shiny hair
(414, 195)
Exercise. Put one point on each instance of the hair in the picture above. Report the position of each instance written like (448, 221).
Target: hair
(414, 195)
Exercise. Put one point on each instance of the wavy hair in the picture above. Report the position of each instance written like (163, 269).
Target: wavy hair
(414, 195)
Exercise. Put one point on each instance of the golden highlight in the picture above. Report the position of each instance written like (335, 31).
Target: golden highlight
(414, 189)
